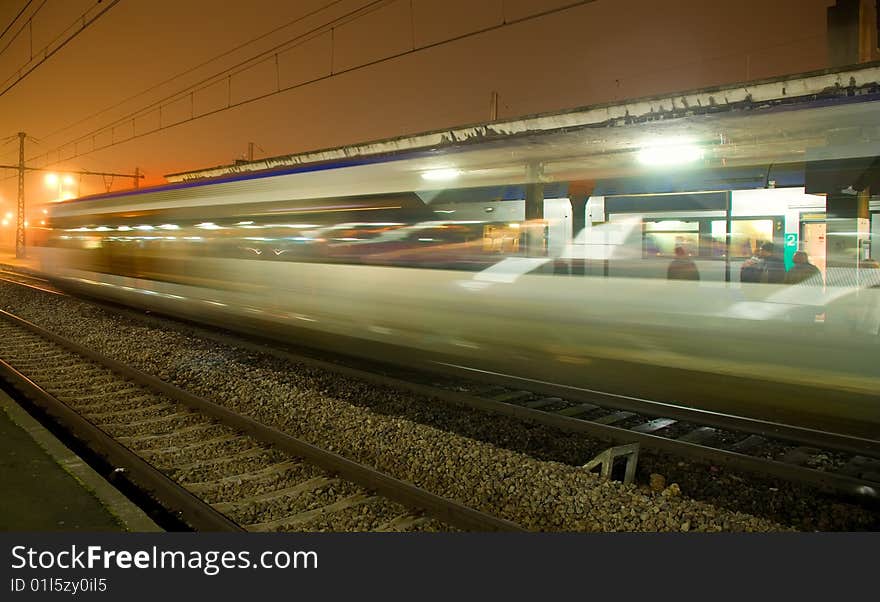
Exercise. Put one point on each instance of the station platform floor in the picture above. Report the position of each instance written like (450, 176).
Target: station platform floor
(8, 258)
(46, 487)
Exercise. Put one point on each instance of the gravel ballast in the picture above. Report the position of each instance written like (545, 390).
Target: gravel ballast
(276, 493)
(522, 472)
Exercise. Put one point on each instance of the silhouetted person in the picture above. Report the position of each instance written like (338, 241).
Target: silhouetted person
(752, 269)
(682, 267)
(774, 267)
(803, 271)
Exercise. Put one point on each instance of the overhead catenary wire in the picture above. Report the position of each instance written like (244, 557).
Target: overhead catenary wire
(195, 68)
(239, 67)
(20, 29)
(269, 55)
(15, 18)
(346, 18)
(83, 22)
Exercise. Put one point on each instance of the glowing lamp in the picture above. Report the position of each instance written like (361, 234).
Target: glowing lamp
(439, 175)
(669, 152)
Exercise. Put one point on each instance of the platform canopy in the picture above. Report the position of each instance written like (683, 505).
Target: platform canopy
(755, 133)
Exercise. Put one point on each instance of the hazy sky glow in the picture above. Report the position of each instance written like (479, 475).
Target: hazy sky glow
(336, 87)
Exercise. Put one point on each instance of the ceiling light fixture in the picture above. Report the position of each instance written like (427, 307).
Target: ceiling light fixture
(438, 175)
(672, 151)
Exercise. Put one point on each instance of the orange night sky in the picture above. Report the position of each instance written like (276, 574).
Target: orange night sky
(148, 82)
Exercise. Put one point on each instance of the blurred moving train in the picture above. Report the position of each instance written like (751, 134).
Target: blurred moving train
(472, 250)
(379, 275)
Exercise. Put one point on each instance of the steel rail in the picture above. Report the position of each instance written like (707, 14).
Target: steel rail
(5, 277)
(614, 435)
(446, 510)
(829, 481)
(620, 436)
(195, 512)
(776, 430)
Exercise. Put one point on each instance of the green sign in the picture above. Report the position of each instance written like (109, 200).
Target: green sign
(791, 247)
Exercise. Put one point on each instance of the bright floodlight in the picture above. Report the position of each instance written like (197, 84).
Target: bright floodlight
(436, 175)
(68, 179)
(670, 152)
(51, 180)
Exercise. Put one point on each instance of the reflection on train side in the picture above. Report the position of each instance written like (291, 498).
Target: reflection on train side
(498, 252)
(469, 245)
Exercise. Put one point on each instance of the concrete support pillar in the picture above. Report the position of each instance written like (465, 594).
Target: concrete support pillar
(535, 231)
(534, 191)
(578, 213)
(579, 193)
(578, 196)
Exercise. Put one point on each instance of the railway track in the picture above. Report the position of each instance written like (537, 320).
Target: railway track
(23, 278)
(218, 469)
(839, 464)
(836, 463)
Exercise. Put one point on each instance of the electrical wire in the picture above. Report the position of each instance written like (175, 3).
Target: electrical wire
(214, 79)
(229, 71)
(47, 54)
(194, 68)
(15, 18)
(21, 29)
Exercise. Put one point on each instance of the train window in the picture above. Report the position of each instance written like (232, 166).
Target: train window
(662, 237)
(714, 243)
(748, 234)
(501, 238)
(706, 237)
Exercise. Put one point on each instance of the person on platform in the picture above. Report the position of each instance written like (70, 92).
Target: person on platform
(752, 268)
(803, 271)
(682, 267)
(773, 268)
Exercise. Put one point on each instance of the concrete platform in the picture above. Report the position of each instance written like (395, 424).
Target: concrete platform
(8, 258)
(46, 487)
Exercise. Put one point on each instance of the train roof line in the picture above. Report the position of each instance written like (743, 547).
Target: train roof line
(840, 85)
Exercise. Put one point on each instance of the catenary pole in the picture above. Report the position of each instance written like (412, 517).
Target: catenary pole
(19, 228)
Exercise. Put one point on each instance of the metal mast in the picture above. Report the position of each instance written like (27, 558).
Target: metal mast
(19, 229)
